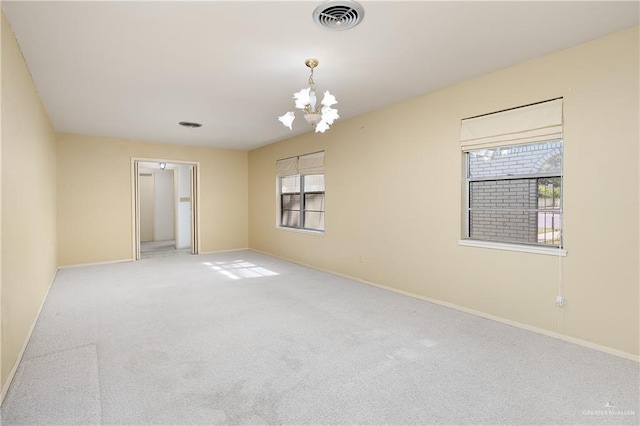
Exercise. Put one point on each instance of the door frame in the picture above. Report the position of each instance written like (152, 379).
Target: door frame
(140, 198)
(135, 203)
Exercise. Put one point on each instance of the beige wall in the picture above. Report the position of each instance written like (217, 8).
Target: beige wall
(94, 196)
(386, 169)
(28, 220)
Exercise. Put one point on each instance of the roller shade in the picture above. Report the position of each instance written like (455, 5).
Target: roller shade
(305, 164)
(533, 123)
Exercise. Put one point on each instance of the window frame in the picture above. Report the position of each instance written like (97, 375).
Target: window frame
(537, 247)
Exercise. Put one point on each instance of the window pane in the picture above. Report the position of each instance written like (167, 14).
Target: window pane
(314, 220)
(549, 192)
(550, 216)
(549, 228)
(512, 194)
(290, 218)
(314, 202)
(290, 202)
(290, 184)
(314, 183)
(516, 160)
(508, 226)
(494, 210)
(506, 206)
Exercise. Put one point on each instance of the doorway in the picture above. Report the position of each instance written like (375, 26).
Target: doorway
(165, 208)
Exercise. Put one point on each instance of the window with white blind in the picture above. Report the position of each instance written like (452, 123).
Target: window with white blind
(301, 192)
(514, 175)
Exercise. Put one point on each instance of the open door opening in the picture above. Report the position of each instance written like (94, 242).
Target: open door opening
(164, 208)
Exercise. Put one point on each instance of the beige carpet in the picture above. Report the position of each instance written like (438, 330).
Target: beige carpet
(243, 338)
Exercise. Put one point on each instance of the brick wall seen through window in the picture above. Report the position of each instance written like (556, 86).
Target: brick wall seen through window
(514, 194)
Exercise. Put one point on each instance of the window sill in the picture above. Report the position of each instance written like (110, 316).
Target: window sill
(299, 230)
(550, 251)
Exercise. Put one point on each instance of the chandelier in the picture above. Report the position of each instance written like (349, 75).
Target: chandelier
(320, 117)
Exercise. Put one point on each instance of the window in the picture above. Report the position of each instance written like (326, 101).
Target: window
(515, 194)
(301, 192)
(302, 201)
(514, 175)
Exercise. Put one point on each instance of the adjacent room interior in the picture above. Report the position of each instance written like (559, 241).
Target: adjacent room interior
(479, 171)
(166, 221)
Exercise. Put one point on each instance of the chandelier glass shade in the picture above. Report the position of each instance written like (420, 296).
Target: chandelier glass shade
(319, 116)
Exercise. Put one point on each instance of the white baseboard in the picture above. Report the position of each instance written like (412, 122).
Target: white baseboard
(481, 314)
(108, 262)
(14, 369)
(224, 251)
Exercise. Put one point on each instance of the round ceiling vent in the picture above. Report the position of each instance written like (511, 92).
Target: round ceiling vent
(338, 15)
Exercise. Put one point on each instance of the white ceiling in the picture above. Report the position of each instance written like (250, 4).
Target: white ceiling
(135, 69)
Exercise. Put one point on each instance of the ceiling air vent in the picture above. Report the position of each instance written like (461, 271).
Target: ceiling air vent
(190, 124)
(338, 15)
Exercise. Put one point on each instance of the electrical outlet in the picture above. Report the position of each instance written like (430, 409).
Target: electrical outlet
(560, 301)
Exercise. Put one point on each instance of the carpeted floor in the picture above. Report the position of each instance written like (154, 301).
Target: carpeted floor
(244, 338)
(153, 249)
(157, 245)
